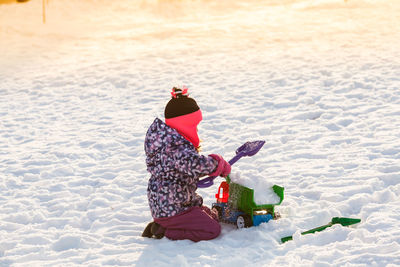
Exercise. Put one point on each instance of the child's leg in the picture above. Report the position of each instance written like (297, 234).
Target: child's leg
(193, 224)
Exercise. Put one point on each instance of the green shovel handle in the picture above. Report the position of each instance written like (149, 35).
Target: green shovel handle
(335, 220)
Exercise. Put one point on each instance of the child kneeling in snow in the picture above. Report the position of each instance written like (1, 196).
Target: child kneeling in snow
(175, 166)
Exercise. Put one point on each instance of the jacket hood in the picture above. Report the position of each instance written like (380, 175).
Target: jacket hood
(160, 136)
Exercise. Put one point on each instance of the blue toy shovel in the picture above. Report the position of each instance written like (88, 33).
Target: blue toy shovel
(247, 149)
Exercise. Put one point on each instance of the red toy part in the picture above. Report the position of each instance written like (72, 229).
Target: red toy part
(223, 193)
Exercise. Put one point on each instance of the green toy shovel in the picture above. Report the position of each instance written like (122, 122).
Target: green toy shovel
(335, 220)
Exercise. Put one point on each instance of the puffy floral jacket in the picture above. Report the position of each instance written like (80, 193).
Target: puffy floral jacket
(175, 167)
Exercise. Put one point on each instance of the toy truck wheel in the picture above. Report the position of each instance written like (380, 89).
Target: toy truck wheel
(243, 221)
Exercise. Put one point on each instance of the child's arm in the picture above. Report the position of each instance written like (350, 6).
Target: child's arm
(192, 164)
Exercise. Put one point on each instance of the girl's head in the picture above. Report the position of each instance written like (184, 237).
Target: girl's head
(183, 114)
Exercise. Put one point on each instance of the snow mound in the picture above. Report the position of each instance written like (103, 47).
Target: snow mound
(263, 192)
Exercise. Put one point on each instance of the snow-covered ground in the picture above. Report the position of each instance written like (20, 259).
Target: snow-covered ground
(319, 80)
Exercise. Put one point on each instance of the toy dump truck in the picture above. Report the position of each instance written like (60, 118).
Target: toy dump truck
(235, 204)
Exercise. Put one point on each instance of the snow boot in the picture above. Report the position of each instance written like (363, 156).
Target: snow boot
(147, 230)
(157, 230)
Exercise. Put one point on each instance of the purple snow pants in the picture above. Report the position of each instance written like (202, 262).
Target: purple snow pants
(195, 224)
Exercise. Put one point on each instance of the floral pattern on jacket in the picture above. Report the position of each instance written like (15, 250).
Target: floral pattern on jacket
(175, 167)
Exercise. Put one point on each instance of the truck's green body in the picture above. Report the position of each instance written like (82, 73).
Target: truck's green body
(238, 206)
(242, 198)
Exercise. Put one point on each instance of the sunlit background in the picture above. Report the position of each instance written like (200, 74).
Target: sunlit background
(84, 32)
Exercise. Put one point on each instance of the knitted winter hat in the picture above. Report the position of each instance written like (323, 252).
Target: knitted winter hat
(183, 114)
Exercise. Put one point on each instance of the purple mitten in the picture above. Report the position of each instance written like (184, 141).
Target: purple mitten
(223, 167)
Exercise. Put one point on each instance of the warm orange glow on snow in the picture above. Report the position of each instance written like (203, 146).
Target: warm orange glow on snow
(207, 26)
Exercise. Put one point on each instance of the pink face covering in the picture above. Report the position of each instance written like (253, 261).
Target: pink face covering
(186, 125)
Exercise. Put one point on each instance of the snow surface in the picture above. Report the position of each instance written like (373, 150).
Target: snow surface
(317, 79)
